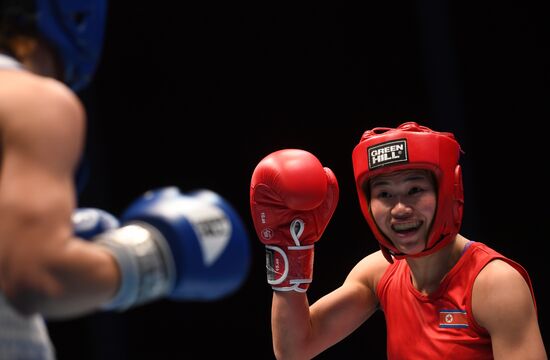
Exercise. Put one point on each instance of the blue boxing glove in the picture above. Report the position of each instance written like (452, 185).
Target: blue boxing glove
(89, 222)
(178, 246)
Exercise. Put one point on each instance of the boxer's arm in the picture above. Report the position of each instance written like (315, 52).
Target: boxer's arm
(503, 304)
(43, 267)
(301, 331)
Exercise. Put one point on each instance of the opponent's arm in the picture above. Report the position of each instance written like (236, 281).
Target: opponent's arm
(170, 245)
(43, 267)
(502, 303)
(190, 246)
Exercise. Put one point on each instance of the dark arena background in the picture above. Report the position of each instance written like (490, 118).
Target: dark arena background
(196, 95)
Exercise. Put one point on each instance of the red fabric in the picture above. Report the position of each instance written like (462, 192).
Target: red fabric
(440, 325)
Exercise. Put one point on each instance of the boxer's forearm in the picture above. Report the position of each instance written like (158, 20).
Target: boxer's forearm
(89, 274)
(64, 281)
(290, 324)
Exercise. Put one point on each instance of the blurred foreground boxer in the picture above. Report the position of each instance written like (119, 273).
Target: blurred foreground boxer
(58, 262)
(443, 296)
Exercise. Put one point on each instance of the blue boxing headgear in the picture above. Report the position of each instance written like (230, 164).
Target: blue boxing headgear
(75, 28)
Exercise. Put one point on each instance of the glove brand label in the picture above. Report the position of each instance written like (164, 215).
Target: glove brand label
(388, 153)
(212, 228)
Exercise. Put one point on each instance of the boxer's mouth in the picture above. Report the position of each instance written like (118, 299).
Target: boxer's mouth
(403, 227)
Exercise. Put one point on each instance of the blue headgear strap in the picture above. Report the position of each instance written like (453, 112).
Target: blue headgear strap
(76, 29)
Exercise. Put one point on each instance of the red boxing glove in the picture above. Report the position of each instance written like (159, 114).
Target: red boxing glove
(292, 198)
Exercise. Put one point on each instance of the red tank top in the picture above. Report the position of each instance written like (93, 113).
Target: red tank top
(439, 325)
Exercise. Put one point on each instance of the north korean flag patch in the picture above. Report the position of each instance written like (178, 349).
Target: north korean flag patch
(453, 319)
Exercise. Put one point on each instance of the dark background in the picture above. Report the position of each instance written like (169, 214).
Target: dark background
(195, 96)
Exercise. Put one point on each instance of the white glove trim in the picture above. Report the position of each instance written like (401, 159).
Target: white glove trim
(296, 287)
(296, 230)
(145, 262)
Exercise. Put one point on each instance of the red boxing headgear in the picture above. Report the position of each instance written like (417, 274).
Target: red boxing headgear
(411, 146)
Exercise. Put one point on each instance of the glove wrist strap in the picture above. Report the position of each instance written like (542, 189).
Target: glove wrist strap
(289, 268)
(146, 266)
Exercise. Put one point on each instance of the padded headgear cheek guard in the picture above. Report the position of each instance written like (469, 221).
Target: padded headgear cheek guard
(411, 146)
(76, 29)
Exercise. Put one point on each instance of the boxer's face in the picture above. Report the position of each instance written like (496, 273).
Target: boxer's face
(403, 204)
